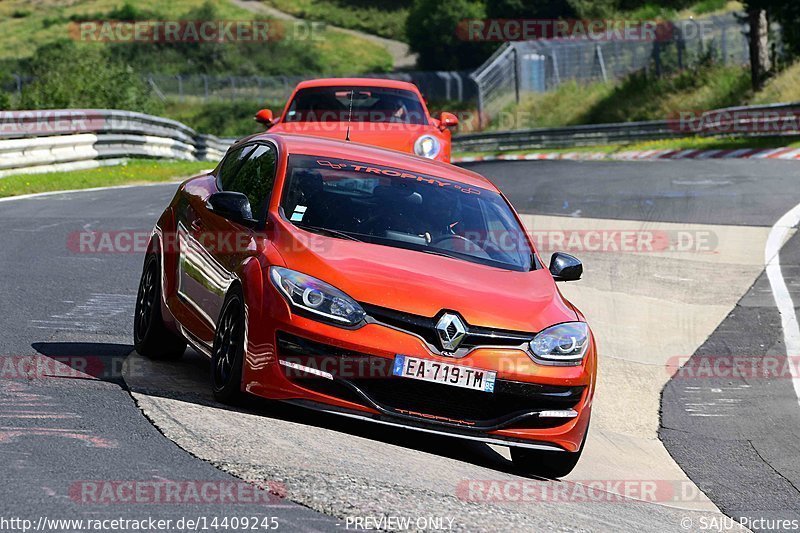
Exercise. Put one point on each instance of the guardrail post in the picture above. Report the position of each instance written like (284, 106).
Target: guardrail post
(515, 59)
(18, 80)
(180, 87)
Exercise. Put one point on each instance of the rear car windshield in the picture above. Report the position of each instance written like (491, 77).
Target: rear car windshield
(370, 104)
(403, 209)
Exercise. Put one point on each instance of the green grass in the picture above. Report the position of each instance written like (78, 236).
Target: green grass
(639, 97)
(642, 97)
(48, 21)
(135, 172)
(386, 18)
(687, 143)
(223, 119)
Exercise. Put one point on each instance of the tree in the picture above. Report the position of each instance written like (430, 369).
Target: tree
(530, 9)
(432, 31)
(758, 36)
(68, 75)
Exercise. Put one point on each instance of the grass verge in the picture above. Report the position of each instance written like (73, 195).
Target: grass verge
(134, 172)
(387, 20)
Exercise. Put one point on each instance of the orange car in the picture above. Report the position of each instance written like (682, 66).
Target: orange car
(376, 285)
(387, 113)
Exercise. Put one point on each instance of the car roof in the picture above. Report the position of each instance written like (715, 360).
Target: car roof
(363, 82)
(320, 146)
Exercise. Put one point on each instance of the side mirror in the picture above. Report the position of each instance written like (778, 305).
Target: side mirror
(264, 117)
(232, 205)
(447, 120)
(565, 267)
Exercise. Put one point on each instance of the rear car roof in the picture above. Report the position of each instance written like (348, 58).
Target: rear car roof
(364, 82)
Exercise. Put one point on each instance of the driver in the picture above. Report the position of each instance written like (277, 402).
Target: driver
(442, 210)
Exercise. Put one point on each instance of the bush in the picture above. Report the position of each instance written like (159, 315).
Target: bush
(67, 75)
(279, 57)
(432, 27)
(224, 119)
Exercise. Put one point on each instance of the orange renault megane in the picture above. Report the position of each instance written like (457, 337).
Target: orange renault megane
(376, 285)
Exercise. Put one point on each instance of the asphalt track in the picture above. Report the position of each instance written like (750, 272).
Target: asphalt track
(58, 432)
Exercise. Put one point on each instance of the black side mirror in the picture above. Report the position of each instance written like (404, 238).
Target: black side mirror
(565, 267)
(232, 205)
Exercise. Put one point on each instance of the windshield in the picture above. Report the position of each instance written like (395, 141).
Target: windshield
(395, 207)
(370, 104)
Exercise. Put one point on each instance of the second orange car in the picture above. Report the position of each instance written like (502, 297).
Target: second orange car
(387, 113)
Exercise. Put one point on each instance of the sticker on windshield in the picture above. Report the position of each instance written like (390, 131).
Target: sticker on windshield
(299, 213)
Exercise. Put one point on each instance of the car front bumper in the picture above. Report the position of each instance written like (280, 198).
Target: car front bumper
(349, 373)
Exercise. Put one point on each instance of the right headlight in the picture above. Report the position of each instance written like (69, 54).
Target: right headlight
(565, 343)
(427, 146)
(309, 294)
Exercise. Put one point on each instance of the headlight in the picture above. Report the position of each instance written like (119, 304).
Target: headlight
(427, 146)
(315, 296)
(562, 343)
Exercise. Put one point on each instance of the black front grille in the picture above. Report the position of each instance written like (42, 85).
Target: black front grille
(510, 399)
(374, 385)
(425, 327)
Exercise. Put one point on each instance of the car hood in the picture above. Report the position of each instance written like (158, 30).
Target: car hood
(386, 135)
(425, 284)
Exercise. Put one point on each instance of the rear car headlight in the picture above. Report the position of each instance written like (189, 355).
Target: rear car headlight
(309, 294)
(427, 146)
(562, 343)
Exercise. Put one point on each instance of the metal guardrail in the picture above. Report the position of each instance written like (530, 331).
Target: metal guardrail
(67, 139)
(745, 121)
(48, 140)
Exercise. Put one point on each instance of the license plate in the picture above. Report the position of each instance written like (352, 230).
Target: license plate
(457, 376)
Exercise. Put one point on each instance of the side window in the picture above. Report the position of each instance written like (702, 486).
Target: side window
(233, 160)
(254, 177)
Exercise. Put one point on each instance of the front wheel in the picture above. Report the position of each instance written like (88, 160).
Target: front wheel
(227, 355)
(151, 337)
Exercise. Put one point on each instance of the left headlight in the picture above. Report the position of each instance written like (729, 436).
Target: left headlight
(562, 343)
(310, 294)
(427, 146)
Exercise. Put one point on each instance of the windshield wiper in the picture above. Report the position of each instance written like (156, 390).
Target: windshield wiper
(329, 232)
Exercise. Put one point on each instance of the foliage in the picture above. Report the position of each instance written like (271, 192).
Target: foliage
(431, 28)
(638, 97)
(386, 19)
(224, 119)
(68, 77)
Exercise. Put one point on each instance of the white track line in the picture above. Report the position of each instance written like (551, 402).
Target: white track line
(783, 299)
(93, 189)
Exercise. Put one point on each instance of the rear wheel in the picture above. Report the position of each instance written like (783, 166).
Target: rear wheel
(546, 463)
(227, 355)
(151, 337)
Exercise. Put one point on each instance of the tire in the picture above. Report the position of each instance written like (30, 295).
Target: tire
(545, 463)
(151, 337)
(227, 355)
